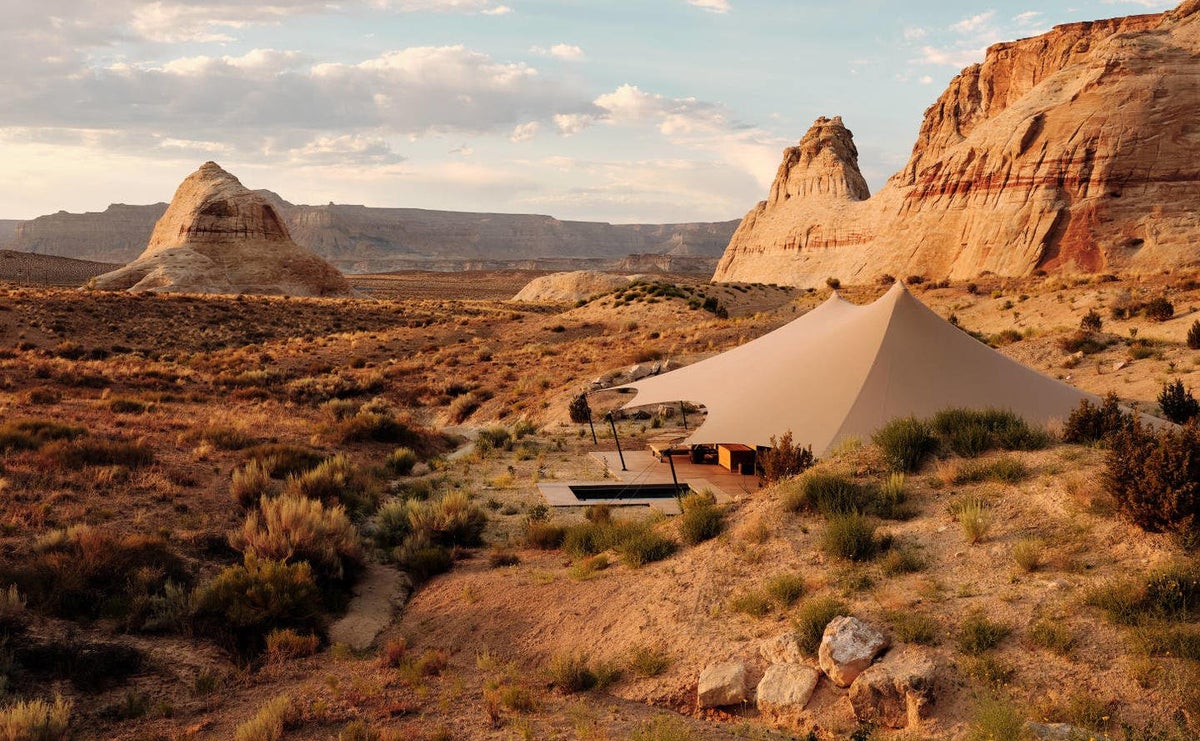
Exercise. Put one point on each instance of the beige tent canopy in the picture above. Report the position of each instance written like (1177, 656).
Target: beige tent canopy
(844, 370)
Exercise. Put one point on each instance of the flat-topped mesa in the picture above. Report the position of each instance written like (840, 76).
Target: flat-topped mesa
(217, 236)
(824, 163)
(1075, 151)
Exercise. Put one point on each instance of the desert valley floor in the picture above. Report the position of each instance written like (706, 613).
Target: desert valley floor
(136, 432)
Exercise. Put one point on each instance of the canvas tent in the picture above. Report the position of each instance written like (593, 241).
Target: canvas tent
(845, 370)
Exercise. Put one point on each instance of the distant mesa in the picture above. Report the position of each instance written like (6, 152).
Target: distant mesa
(1077, 151)
(576, 285)
(217, 236)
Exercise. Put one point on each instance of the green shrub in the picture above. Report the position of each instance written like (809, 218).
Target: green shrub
(827, 493)
(784, 459)
(1169, 593)
(452, 520)
(969, 433)
(246, 601)
(421, 559)
(1159, 309)
(1176, 642)
(1089, 423)
(36, 720)
(493, 438)
(390, 525)
(1193, 335)
(645, 547)
(700, 522)
(979, 634)
(995, 720)
(752, 602)
(975, 516)
(1155, 477)
(573, 673)
(905, 443)
(810, 621)
(914, 627)
(901, 561)
(302, 529)
(1053, 635)
(337, 481)
(1177, 403)
(785, 589)
(401, 461)
(851, 536)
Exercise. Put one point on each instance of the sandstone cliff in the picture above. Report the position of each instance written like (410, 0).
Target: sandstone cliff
(358, 239)
(219, 237)
(1074, 151)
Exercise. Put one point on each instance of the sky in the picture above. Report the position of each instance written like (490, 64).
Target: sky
(604, 110)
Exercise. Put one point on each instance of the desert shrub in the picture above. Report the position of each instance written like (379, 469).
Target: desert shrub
(701, 520)
(1027, 552)
(503, 556)
(810, 621)
(901, 561)
(90, 666)
(1193, 335)
(246, 601)
(994, 719)
(337, 481)
(662, 728)
(1162, 640)
(1155, 477)
(914, 627)
(851, 536)
(493, 438)
(463, 407)
(543, 535)
(785, 589)
(390, 525)
(1082, 342)
(452, 520)
(1169, 593)
(374, 427)
(36, 720)
(1159, 309)
(302, 529)
(251, 482)
(85, 572)
(828, 493)
(285, 460)
(269, 722)
(586, 568)
(579, 409)
(1177, 403)
(401, 461)
(285, 644)
(31, 434)
(1052, 635)
(421, 559)
(751, 602)
(1006, 469)
(1091, 321)
(969, 432)
(572, 673)
(122, 405)
(978, 634)
(905, 443)
(79, 453)
(833, 283)
(645, 547)
(989, 670)
(224, 437)
(975, 517)
(784, 458)
(648, 661)
(1089, 423)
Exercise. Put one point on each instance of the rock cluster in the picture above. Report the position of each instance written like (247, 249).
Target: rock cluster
(1071, 151)
(217, 236)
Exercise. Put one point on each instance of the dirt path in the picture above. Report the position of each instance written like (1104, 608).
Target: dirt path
(379, 596)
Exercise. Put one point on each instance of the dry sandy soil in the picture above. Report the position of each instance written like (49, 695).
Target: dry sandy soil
(196, 382)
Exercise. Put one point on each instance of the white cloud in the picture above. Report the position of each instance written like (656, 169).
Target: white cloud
(973, 24)
(712, 6)
(1027, 17)
(915, 33)
(926, 80)
(525, 132)
(572, 123)
(568, 52)
(955, 57)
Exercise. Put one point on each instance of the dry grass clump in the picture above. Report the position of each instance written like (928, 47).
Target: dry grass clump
(546, 536)
(978, 634)
(635, 540)
(969, 432)
(905, 443)
(648, 661)
(301, 529)
(284, 459)
(270, 721)
(914, 627)
(701, 519)
(1027, 552)
(975, 517)
(572, 673)
(286, 644)
(338, 481)
(252, 482)
(222, 437)
(852, 537)
(36, 720)
(811, 618)
(1170, 593)
(785, 589)
(995, 719)
(1052, 635)
(31, 434)
(401, 461)
(79, 453)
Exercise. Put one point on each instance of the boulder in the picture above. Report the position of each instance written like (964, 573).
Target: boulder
(847, 648)
(786, 688)
(722, 684)
(897, 691)
(782, 649)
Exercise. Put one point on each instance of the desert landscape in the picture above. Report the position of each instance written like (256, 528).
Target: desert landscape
(273, 471)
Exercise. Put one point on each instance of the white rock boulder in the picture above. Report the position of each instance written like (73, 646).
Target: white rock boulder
(896, 692)
(786, 688)
(847, 648)
(722, 684)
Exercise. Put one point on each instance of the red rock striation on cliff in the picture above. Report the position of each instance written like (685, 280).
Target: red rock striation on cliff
(1074, 151)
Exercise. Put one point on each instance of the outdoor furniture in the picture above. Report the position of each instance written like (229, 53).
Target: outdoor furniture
(704, 454)
(661, 451)
(735, 457)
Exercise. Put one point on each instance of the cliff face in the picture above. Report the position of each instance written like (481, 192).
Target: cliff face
(219, 237)
(359, 239)
(1074, 151)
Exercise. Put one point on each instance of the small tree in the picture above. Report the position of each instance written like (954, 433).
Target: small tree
(784, 459)
(1193, 335)
(579, 409)
(833, 283)
(1155, 478)
(1089, 423)
(1177, 403)
(1159, 309)
(1091, 321)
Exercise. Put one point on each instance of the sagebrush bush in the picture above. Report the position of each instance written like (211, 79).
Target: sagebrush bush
(301, 529)
(390, 525)
(1177, 403)
(700, 521)
(401, 461)
(36, 720)
(284, 460)
(784, 458)
(978, 634)
(851, 536)
(421, 559)
(1159, 309)
(452, 520)
(31, 434)
(1089, 423)
(246, 601)
(493, 438)
(905, 443)
(374, 427)
(1155, 477)
(1169, 593)
(826, 492)
(270, 721)
(338, 481)
(810, 621)
(970, 432)
(251, 482)
(79, 453)
(633, 539)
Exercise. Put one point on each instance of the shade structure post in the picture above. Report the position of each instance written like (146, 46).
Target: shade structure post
(671, 460)
(592, 427)
(620, 455)
(683, 411)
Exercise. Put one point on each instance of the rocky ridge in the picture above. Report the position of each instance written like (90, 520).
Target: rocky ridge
(1073, 151)
(217, 236)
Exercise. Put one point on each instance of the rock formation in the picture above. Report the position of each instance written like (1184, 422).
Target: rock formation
(219, 237)
(568, 287)
(1074, 151)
